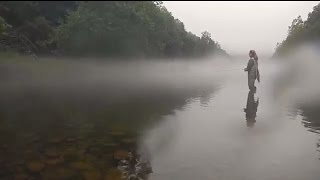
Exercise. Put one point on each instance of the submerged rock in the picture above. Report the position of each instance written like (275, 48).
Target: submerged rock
(29, 151)
(55, 140)
(109, 145)
(136, 167)
(128, 141)
(113, 174)
(92, 175)
(21, 177)
(94, 150)
(71, 150)
(35, 140)
(81, 165)
(117, 133)
(4, 147)
(72, 154)
(53, 156)
(19, 162)
(59, 173)
(54, 161)
(19, 170)
(120, 154)
(52, 153)
(71, 140)
(35, 166)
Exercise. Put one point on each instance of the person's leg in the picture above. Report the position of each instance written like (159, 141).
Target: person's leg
(251, 84)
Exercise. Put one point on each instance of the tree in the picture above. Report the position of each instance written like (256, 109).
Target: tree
(206, 37)
(301, 31)
(2, 25)
(296, 27)
(35, 20)
(104, 28)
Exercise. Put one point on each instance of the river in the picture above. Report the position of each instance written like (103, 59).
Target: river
(190, 119)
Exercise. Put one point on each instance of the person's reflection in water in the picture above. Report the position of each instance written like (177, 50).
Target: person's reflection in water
(251, 109)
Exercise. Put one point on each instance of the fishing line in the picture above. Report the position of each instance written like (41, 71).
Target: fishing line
(228, 70)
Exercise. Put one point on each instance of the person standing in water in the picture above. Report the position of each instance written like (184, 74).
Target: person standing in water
(253, 72)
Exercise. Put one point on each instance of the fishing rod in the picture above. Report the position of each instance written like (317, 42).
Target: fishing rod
(229, 69)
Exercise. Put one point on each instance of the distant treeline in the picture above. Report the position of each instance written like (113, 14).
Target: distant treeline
(99, 28)
(301, 32)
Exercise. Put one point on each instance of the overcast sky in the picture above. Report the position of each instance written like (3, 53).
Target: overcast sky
(241, 25)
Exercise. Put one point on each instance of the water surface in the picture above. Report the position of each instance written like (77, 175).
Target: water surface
(187, 119)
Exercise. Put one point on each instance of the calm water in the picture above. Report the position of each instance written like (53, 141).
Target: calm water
(183, 120)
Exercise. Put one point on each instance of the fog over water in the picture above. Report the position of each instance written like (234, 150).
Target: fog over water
(189, 116)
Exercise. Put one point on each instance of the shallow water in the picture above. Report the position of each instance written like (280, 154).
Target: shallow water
(215, 140)
(187, 119)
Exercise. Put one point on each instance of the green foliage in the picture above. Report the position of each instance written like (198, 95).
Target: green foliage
(130, 29)
(105, 28)
(35, 20)
(2, 25)
(295, 32)
(17, 13)
(301, 31)
(296, 26)
(38, 30)
(312, 24)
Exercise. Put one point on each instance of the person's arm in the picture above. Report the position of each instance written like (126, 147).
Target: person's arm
(249, 65)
